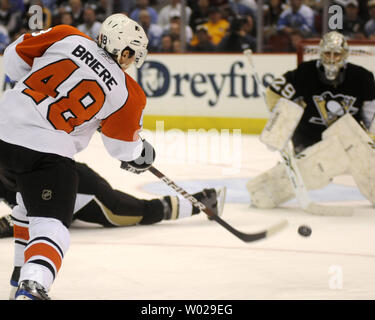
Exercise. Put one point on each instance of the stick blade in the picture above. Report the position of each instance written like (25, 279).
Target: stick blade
(277, 228)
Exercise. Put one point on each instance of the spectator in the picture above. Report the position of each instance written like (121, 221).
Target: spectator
(172, 9)
(177, 46)
(295, 40)
(218, 3)
(370, 25)
(238, 38)
(213, 3)
(59, 12)
(240, 9)
(4, 39)
(272, 12)
(298, 17)
(18, 5)
(49, 4)
(362, 7)
(216, 26)
(353, 25)
(203, 43)
(101, 10)
(174, 27)
(250, 3)
(10, 19)
(363, 10)
(166, 44)
(125, 6)
(91, 26)
(66, 18)
(249, 26)
(76, 8)
(144, 5)
(314, 4)
(154, 32)
(199, 15)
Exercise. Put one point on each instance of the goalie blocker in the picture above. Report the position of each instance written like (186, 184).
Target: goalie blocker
(280, 127)
(345, 149)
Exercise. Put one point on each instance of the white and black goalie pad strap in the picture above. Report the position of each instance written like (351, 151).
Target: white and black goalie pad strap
(281, 125)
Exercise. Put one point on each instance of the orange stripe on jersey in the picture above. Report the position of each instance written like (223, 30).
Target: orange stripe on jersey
(35, 46)
(21, 232)
(124, 124)
(45, 250)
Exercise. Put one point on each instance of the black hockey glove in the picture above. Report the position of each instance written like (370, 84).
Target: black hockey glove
(143, 162)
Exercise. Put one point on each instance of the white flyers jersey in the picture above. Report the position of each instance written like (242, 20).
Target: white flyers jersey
(67, 88)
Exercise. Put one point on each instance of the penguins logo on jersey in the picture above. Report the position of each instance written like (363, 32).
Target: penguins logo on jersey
(331, 107)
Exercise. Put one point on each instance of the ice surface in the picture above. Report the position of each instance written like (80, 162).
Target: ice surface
(195, 258)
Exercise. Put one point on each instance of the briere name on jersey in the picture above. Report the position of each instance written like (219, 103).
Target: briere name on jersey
(88, 58)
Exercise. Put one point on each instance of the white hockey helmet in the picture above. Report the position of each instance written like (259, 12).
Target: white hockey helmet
(119, 32)
(334, 51)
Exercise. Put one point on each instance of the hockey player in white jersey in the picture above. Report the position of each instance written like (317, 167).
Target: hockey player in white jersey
(333, 136)
(67, 87)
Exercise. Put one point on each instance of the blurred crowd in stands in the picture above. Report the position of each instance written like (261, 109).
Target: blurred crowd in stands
(211, 25)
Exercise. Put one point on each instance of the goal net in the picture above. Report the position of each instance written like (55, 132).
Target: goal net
(361, 52)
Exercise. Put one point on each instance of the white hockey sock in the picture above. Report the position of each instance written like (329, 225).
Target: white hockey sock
(48, 243)
(185, 208)
(21, 233)
(180, 208)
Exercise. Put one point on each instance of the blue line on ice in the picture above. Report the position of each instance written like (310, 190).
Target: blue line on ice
(237, 192)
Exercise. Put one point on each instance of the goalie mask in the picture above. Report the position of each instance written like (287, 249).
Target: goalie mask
(333, 54)
(119, 32)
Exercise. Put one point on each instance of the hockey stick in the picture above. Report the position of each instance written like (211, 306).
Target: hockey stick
(292, 170)
(246, 237)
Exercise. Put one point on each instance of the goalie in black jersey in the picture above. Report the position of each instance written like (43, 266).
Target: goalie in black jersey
(97, 202)
(333, 136)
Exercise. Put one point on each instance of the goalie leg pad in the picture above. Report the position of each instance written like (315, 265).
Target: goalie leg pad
(282, 124)
(317, 167)
(321, 162)
(270, 188)
(360, 150)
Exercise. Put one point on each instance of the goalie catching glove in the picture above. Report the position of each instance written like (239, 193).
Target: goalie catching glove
(143, 162)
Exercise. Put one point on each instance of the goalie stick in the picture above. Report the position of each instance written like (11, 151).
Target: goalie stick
(292, 170)
(246, 237)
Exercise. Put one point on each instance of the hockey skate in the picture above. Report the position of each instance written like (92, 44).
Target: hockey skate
(6, 227)
(215, 200)
(31, 290)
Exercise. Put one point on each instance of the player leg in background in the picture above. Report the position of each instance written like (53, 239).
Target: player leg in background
(48, 186)
(9, 197)
(98, 202)
(114, 208)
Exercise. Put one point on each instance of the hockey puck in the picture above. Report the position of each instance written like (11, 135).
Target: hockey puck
(304, 231)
